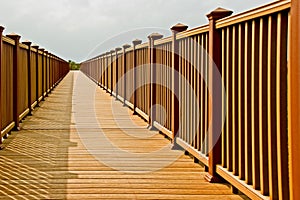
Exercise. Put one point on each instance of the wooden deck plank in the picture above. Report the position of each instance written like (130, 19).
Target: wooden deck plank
(77, 147)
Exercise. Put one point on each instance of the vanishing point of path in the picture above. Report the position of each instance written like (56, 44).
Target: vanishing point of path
(82, 144)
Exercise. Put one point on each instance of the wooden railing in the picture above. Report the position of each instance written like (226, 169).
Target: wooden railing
(224, 90)
(27, 73)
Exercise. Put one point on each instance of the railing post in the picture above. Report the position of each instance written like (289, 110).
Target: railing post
(175, 77)
(16, 38)
(46, 73)
(294, 101)
(152, 62)
(215, 69)
(102, 71)
(51, 82)
(126, 46)
(106, 70)
(111, 71)
(37, 74)
(28, 43)
(43, 74)
(117, 71)
(51, 70)
(98, 70)
(1, 44)
(135, 43)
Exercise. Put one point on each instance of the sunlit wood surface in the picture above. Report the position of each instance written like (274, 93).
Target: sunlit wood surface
(72, 148)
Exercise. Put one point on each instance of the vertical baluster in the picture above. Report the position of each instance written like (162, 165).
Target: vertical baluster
(229, 101)
(255, 105)
(201, 97)
(234, 72)
(271, 79)
(281, 100)
(224, 136)
(241, 101)
(1, 57)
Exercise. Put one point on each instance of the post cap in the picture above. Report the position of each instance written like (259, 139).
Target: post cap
(14, 36)
(1, 29)
(27, 42)
(179, 27)
(126, 46)
(35, 46)
(219, 13)
(155, 36)
(112, 51)
(118, 49)
(41, 49)
(107, 53)
(137, 42)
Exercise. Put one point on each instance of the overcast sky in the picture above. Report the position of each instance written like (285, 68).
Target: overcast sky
(79, 29)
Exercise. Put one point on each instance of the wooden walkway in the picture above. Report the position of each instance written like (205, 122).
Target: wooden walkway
(74, 147)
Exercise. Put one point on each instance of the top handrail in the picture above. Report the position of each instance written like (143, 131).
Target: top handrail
(163, 41)
(8, 40)
(276, 6)
(192, 32)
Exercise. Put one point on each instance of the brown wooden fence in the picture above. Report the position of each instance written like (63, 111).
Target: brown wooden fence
(224, 90)
(27, 73)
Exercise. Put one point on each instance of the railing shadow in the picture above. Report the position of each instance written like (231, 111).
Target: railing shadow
(34, 162)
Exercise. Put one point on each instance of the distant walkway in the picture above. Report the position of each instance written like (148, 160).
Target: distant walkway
(74, 147)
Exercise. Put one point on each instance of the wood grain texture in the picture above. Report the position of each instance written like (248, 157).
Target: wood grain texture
(50, 159)
(294, 100)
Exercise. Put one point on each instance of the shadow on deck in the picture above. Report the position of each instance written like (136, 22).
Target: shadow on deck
(82, 144)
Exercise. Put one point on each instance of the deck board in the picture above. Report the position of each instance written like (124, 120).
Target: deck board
(82, 144)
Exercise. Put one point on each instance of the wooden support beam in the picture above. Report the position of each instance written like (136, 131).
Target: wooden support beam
(28, 43)
(152, 62)
(294, 101)
(215, 92)
(125, 46)
(111, 72)
(117, 71)
(16, 50)
(175, 122)
(37, 74)
(1, 46)
(135, 60)
(43, 74)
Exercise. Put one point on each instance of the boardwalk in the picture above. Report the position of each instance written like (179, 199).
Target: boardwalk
(74, 147)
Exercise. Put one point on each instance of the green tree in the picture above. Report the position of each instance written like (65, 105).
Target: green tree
(73, 65)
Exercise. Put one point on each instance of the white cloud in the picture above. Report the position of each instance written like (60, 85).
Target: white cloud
(72, 28)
